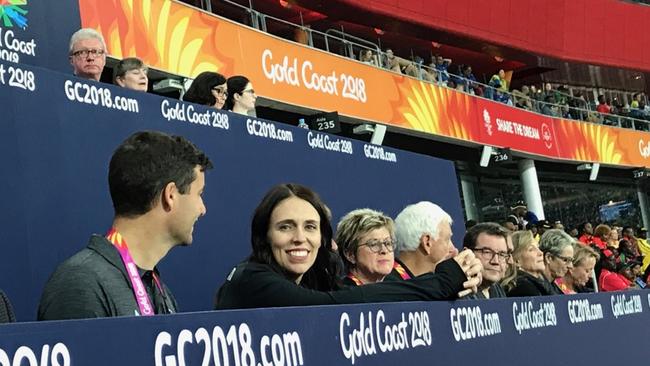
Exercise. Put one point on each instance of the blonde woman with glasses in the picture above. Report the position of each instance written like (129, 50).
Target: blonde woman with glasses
(366, 245)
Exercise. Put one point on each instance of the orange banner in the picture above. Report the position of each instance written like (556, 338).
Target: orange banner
(184, 40)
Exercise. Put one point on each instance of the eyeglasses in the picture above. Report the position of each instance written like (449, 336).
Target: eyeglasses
(248, 91)
(375, 245)
(489, 254)
(86, 53)
(221, 91)
(566, 260)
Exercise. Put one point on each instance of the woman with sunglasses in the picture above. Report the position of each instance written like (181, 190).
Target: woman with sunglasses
(209, 88)
(292, 263)
(366, 245)
(241, 95)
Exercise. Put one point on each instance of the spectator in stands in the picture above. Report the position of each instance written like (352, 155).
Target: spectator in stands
(522, 98)
(644, 247)
(527, 279)
(392, 63)
(291, 262)
(366, 245)
(6, 310)
(601, 235)
(368, 57)
(488, 241)
(468, 81)
(584, 261)
(636, 98)
(612, 239)
(441, 65)
(131, 73)
(209, 88)
(557, 247)
(156, 182)
(549, 107)
(241, 95)
(423, 72)
(87, 54)
(628, 234)
(542, 227)
(423, 239)
(586, 233)
(520, 210)
(511, 223)
(610, 279)
(603, 106)
(578, 106)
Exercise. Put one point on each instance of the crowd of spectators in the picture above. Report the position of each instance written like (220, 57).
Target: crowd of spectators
(613, 257)
(546, 99)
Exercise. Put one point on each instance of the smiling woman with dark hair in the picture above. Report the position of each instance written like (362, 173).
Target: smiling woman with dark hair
(292, 262)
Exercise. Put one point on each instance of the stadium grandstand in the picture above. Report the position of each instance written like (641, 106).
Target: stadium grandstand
(341, 182)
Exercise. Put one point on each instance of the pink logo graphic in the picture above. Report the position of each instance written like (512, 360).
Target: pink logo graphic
(487, 122)
(547, 136)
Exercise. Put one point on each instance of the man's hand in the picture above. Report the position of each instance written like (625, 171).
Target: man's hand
(472, 268)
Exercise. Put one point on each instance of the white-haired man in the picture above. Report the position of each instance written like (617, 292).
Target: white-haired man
(87, 54)
(423, 239)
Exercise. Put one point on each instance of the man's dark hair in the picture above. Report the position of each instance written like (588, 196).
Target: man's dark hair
(200, 92)
(125, 65)
(322, 275)
(582, 227)
(489, 228)
(143, 165)
(236, 85)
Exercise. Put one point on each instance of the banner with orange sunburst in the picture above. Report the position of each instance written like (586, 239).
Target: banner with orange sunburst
(178, 39)
(432, 109)
(588, 142)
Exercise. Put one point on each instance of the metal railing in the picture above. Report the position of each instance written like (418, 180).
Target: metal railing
(333, 39)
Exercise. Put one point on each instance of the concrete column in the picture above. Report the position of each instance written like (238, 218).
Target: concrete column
(467, 184)
(643, 204)
(530, 184)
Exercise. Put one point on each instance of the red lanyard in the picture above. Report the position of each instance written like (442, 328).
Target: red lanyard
(402, 272)
(134, 275)
(355, 279)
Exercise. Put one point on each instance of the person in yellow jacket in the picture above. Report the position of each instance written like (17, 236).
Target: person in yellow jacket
(644, 247)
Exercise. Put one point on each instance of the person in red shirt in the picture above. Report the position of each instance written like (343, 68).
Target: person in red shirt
(586, 233)
(603, 106)
(609, 279)
(601, 234)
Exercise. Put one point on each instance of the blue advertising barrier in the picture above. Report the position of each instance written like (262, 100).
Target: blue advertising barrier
(599, 329)
(37, 32)
(57, 134)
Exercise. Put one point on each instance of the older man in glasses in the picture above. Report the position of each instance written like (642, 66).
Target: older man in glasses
(489, 242)
(87, 54)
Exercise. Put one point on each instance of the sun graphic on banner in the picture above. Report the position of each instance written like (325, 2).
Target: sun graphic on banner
(166, 35)
(432, 109)
(12, 13)
(590, 142)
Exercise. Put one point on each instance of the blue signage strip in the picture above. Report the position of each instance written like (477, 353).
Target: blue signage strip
(533, 331)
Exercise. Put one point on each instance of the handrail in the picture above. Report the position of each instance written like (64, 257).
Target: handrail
(511, 97)
(375, 47)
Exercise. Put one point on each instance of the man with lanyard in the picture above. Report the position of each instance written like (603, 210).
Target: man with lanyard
(423, 239)
(156, 181)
